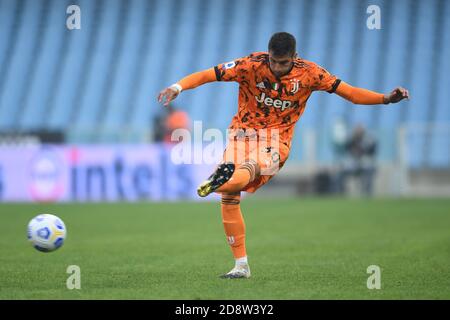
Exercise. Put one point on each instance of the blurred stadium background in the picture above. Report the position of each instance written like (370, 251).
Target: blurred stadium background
(79, 122)
(97, 84)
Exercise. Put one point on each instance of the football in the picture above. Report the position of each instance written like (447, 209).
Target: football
(46, 232)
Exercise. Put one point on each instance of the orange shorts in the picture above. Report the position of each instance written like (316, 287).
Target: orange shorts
(269, 154)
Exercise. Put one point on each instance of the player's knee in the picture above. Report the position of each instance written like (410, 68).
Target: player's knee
(257, 170)
(253, 167)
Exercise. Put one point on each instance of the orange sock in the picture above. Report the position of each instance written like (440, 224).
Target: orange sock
(233, 223)
(241, 177)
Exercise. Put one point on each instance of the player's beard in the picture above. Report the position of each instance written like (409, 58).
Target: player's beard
(280, 74)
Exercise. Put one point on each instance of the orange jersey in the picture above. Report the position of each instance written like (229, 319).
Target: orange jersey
(266, 101)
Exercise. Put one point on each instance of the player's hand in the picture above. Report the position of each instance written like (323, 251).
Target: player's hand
(167, 95)
(396, 95)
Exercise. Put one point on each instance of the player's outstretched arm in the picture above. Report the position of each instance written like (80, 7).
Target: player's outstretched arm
(364, 96)
(190, 82)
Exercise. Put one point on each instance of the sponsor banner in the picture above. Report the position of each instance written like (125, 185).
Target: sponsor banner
(54, 173)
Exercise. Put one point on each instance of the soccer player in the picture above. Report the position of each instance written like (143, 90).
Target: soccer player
(273, 89)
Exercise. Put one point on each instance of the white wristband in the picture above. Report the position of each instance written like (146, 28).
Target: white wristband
(177, 87)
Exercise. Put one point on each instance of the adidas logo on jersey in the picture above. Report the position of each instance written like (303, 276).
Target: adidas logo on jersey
(261, 85)
(277, 103)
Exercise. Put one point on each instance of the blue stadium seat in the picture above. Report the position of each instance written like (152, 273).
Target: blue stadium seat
(105, 77)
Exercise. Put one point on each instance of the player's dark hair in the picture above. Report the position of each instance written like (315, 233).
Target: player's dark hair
(282, 44)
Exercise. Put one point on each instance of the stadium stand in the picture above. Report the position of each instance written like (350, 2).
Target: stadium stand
(104, 77)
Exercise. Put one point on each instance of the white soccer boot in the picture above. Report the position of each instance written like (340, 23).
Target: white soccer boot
(239, 271)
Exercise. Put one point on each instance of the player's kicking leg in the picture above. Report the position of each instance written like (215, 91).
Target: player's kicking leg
(246, 176)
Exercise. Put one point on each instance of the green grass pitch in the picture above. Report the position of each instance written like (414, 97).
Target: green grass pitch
(298, 249)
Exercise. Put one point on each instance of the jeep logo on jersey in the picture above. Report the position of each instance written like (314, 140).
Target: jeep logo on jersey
(277, 103)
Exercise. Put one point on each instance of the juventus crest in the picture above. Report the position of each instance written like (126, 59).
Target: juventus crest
(294, 86)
